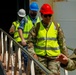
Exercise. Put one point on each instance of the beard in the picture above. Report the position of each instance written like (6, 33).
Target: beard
(33, 15)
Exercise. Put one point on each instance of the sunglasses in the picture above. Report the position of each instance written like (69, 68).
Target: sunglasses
(47, 15)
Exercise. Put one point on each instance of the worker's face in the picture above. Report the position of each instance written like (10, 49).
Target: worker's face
(46, 18)
(20, 18)
(33, 13)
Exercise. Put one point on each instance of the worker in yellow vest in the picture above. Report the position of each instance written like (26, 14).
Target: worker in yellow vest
(14, 28)
(25, 26)
(48, 40)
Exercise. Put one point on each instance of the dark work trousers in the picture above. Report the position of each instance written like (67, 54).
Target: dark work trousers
(25, 57)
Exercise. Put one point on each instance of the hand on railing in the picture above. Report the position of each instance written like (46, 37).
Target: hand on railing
(35, 56)
(23, 42)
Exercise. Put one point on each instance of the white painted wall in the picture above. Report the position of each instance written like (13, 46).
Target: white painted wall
(71, 0)
(65, 14)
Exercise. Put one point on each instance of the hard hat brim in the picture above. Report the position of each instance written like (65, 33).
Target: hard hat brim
(34, 9)
(47, 12)
(21, 15)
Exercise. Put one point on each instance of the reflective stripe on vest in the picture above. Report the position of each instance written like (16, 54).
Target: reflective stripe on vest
(47, 41)
(16, 34)
(47, 48)
(43, 38)
(28, 26)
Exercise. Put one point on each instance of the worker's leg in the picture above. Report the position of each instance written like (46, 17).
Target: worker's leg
(54, 67)
(25, 58)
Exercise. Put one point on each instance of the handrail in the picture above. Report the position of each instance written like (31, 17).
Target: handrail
(47, 72)
(72, 49)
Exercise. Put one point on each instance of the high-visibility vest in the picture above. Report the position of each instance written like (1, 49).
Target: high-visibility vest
(47, 43)
(16, 34)
(28, 25)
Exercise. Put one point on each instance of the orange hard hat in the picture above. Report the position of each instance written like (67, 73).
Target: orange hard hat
(46, 9)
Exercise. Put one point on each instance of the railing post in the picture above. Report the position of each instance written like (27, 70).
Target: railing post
(32, 68)
(12, 60)
(19, 60)
(2, 42)
(6, 52)
(16, 61)
(65, 72)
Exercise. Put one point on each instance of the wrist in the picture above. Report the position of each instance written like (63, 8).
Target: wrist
(23, 40)
(33, 54)
(64, 65)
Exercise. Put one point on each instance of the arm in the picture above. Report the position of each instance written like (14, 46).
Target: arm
(31, 36)
(66, 63)
(12, 29)
(62, 42)
(31, 40)
(21, 34)
(20, 30)
(70, 66)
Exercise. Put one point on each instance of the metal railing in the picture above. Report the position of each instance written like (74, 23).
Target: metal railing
(7, 48)
(7, 51)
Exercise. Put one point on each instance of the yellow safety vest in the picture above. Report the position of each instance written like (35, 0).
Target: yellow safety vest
(47, 43)
(28, 25)
(16, 34)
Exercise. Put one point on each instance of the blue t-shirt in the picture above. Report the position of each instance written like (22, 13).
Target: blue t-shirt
(22, 23)
(24, 20)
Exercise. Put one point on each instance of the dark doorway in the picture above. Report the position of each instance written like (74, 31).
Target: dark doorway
(8, 12)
